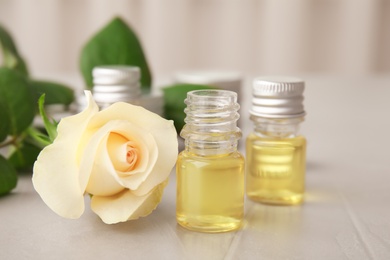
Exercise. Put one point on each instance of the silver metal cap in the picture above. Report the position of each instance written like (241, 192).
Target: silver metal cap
(278, 97)
(115, 74)
(115, 83)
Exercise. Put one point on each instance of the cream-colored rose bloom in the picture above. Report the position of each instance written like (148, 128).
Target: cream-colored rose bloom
(121, 156)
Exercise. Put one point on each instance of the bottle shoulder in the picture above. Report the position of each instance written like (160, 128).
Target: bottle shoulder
(186, 155)
(224, 162)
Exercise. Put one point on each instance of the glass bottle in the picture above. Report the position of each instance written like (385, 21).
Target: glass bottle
(114, 83)
(275, 152)
(210, 171)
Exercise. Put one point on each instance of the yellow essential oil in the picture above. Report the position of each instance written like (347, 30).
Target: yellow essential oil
(276, 169)
(275, 153)
(210, 171)
(210, 191)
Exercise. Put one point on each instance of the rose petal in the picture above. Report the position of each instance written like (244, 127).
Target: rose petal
(101, 181)
(128, 130)
(117, 146)
(120, 148)
(161, 129)
(56, 172)
(125, 205)
(167, 144)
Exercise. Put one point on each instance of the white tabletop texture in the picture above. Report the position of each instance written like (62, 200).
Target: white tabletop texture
(346, 214)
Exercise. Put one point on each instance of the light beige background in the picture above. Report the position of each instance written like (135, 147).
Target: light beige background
(346, 213)
(256, 37)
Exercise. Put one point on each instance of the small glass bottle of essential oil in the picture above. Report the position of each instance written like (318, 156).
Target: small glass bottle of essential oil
(275, 153)
(115, 83)
(210, 171)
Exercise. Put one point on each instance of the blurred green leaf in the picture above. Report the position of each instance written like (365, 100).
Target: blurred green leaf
(115, 44)
(16, 100)
(8, 176)
(11, 57)
(4, 122)
(24, 157)
(54, 93)
(51, 127)
(174, 102)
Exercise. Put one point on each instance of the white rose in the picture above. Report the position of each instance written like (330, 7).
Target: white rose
(121, 156)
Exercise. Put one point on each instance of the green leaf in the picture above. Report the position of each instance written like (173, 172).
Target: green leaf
(51, 127)
(11, 57)
(115, 44)
(4, 122)
(174, 102)
(54, 93)
(24, 157)
(16, 100)
(8, 176)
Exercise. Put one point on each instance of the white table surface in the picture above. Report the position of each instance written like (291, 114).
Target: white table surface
(346, 214)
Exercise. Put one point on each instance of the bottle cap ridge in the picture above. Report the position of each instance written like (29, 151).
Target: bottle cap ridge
(113, 83)
(115, 74)
(278, 97)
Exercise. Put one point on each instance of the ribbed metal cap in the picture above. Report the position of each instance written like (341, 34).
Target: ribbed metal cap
(278, 97)
(115, 74)
(114, 83)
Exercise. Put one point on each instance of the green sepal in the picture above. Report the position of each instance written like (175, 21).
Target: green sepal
(174, 102)
(24, 157)
(37, 137)
(50, 126)
(115, 44)
(8, 176)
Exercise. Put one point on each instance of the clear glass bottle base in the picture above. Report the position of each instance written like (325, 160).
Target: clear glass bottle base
(210, 192)
(209, 224)
(275, 169)
(210, 172)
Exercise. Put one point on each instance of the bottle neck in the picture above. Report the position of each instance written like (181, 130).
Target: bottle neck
(211, 122)
(208, 144)
(276, 127)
